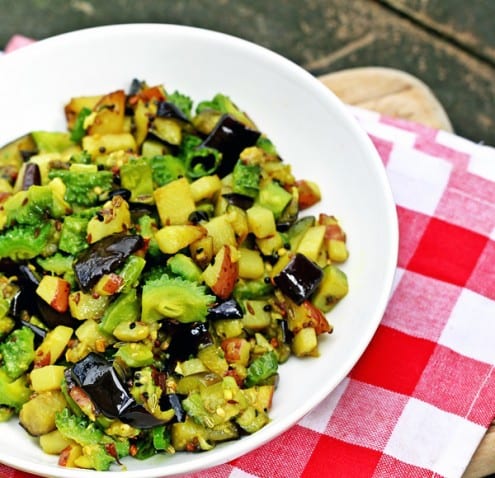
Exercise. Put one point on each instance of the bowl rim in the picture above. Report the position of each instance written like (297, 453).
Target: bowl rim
(262, 437)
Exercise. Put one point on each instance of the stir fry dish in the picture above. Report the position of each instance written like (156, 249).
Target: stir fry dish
(155, 272)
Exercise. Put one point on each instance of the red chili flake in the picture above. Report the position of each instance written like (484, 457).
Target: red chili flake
(250, 308)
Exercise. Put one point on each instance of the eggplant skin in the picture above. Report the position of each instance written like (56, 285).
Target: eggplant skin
(299, 279)
(186, 339)
(230, 137)
(103, 257)
(229, 309)
(98, 378)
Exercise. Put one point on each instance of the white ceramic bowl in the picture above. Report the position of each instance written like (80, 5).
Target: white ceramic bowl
(312, 130)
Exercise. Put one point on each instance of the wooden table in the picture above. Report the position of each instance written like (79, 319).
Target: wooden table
(445, 43)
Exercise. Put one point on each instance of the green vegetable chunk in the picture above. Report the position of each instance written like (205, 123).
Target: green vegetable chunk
(167, 168)
(73, 234)
(78, 131)
(95, 441)
(175, 298)
(182, 101)
(137, 177)
(34, 205)
(262, 368)
(17, 352)
(124, 309)
(13, 393)
(52, 141)
(26, 242)
(246, 179)
(84, 188)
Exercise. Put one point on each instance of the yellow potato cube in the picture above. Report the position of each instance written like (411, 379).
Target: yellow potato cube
(174, 202)
(312, 242)
(54, 442)
(261, 221)
(251, 265)
(47, 378)
(172, 239)
(305, 342)
(205, 187)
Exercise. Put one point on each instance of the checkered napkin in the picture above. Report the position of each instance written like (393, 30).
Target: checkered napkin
(420, 399)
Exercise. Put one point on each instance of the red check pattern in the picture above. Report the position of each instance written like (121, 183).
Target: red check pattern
(421, 397)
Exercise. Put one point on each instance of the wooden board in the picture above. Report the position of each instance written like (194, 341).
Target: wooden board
(390, 92)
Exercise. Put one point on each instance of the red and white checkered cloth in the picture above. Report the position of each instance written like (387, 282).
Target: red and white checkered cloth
(420, 399)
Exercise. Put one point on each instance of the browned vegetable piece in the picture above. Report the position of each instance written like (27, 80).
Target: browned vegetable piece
(37, 415)
(110, 111)
(103, 257)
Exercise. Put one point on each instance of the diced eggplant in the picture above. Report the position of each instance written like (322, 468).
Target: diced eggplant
(230, 137)
(99, 379)
(239, 200)
(174, 401)
(169, 110)
(103, 257)
(39, 333)
(230, 309)
(186, 339)
(31, 176)
(125, 193)
(197, 216)
(299, 279)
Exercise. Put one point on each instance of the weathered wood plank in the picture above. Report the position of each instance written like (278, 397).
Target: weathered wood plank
(319, 35)
(471, 24)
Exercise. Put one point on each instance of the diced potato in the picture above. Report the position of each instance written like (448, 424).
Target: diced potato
(309, 193)
(131, 331)
(312, 242)
(37, 415)
(251, 265)
(113, 217)
(237, 350)
(70, 455)
(167, 129)
(174, 202)
(109, 284)
(108, 143)
(332, 288)
(141, 122)
(55, 292)
(305, 342)
(256, 316)
(110, 111)
(261, 221)
(337, 250)
(212, 357)
(271, 244)
(52, 346)
(307, 315)
(54, 442)
(202, 251)
(75, 105)
(220, 229)
(47, 378)
(222, 274)
(90, 333)
(205, 187)
(173, 238)
(238, 220)
(87, 306)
